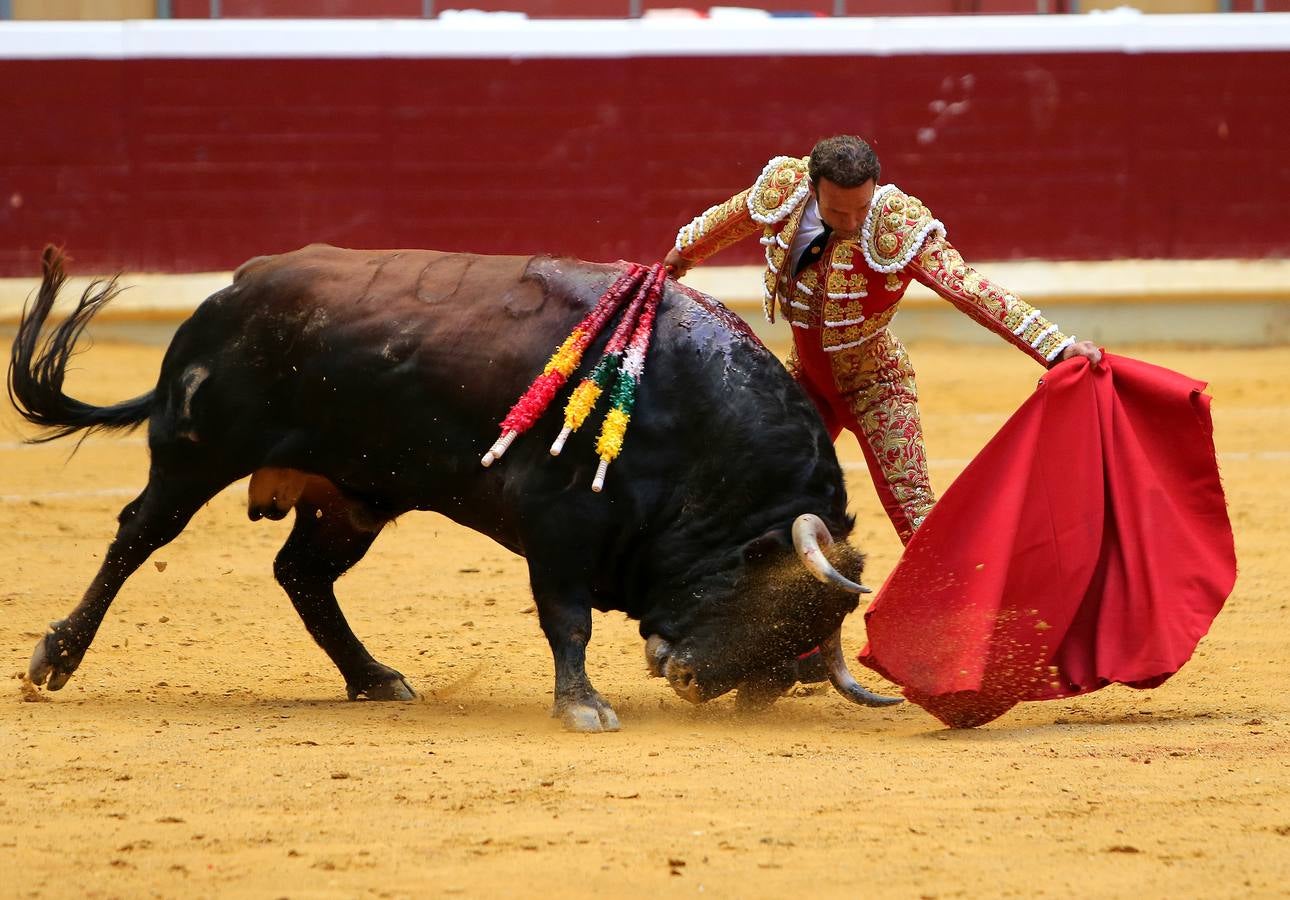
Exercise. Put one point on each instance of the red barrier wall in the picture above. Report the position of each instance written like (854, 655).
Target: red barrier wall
(193, 165)
(237, 9)
(233, 9)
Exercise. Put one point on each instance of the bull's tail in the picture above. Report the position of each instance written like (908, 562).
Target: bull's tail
(37, 368)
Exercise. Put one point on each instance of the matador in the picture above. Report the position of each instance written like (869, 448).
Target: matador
(840, 252)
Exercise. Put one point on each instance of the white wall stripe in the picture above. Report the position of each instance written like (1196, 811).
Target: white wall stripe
(490, 37)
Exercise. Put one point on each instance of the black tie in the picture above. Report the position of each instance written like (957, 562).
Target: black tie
(813, 250)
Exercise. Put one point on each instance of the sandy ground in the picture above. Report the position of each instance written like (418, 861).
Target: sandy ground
(205, 747)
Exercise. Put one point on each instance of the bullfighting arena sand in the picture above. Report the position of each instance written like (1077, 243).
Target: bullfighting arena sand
(205, 747)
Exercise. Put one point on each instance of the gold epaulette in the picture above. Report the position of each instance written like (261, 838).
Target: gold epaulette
(780, 187)
(895, 228)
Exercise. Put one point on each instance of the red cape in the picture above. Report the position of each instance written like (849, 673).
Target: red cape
(1087, 544)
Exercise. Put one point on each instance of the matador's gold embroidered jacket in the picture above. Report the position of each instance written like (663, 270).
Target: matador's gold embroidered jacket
(851, 294)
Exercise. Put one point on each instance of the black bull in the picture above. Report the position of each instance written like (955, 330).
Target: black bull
(356, 386)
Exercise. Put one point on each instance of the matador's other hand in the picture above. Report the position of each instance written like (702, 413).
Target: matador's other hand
(1086, 349)
(677, 265)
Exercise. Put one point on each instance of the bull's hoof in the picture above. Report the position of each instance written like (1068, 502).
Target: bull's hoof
(51, 664)
(384, 687)
(586, 715)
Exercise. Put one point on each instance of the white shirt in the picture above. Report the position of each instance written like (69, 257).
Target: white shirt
(808, 229)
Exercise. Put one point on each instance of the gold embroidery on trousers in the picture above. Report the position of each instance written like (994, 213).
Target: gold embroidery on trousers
(885, 405)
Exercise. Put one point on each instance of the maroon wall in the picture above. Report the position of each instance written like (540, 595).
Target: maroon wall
(176, 165)
(233, 9)
(314, 9)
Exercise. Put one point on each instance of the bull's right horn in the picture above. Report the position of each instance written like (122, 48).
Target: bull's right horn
(842, 679)
(810, 536)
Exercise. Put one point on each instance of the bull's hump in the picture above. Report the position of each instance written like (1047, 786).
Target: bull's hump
(702, 320)
(391, 277)
(250, 266)
(450, 278)
(570, 282)
(705, 309)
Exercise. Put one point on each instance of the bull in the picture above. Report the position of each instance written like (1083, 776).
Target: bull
(356, 386)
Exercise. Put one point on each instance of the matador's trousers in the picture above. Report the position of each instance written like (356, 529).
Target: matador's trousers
(870, 391)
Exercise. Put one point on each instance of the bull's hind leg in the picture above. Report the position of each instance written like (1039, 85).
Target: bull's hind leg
(150, 521)
(331, 535)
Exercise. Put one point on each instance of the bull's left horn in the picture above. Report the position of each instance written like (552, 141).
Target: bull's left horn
(810, 536)
(842, 679)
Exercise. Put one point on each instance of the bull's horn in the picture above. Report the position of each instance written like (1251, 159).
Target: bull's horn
(842, 679)
(809, 532)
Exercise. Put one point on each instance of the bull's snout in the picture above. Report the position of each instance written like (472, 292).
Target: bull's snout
(665, 662)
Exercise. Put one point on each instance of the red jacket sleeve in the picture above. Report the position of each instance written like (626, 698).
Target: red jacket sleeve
(940, 267)
(716, 228)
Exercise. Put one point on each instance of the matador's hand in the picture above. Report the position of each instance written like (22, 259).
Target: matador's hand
(677, 265)
(1086, 349)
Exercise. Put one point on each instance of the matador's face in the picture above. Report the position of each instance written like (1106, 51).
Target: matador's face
(841, 208)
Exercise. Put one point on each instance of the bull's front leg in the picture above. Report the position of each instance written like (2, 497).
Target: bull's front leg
(566, 621)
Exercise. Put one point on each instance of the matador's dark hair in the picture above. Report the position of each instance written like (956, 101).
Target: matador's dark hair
(845, 160)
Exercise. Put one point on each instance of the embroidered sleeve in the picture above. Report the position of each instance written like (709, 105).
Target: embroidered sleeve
(940, 267)
(716, 228)
(779, 188)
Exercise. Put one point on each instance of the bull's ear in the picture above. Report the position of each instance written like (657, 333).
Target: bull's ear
(772, 542)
